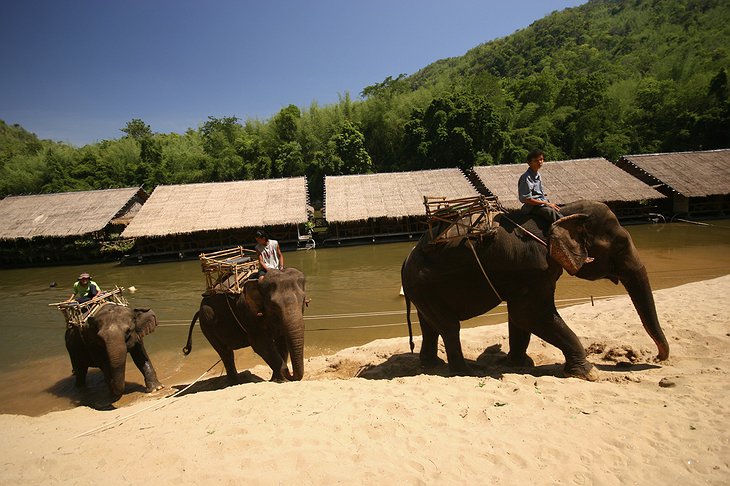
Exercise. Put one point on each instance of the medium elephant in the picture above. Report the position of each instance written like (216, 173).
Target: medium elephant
(268, 316)
(104, 341)
(520, 263)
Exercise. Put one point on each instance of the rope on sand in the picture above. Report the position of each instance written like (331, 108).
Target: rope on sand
(161, 403)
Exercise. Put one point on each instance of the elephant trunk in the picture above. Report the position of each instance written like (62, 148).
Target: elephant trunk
(117, 364)
(116, 350)
(295, 343)
(637, 285)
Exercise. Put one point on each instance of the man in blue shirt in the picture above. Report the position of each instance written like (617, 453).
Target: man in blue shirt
(531, 193)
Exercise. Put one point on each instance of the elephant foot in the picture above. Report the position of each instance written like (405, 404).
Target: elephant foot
(461, 369)
(586, 372)
(431, 362)
(517, 361)
(153, 387)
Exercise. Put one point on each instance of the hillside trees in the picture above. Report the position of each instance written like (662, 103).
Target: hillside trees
(606, 79)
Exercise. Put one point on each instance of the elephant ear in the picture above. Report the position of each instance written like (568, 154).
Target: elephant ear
(567, 242)
(252, 297)
(145, 322)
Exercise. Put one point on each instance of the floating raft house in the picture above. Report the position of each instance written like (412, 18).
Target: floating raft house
(42, 228)
(697, 183)
(570, 180)
(386, 206)
(180, 221)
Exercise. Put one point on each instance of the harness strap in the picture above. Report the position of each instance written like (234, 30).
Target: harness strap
(482, 268)
(235, 316)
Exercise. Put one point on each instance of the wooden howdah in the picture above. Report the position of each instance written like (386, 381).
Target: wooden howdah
(468, 217)
(77, 313)
(226, 271)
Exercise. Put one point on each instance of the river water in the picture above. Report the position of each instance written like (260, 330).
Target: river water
(355, 299)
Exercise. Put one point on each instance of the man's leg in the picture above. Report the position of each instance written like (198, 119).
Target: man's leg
(547, 213)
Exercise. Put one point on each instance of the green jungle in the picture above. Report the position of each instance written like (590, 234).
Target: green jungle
(608, 78)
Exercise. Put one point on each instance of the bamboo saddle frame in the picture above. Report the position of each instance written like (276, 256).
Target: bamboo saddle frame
(78, 313)
(468, 217)
(226, 271)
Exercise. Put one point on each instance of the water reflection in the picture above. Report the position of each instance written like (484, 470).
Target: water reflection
(354, 292)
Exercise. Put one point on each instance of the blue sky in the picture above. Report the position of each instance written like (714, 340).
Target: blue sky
(77, 71)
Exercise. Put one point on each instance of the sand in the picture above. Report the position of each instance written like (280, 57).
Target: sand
(371, 414)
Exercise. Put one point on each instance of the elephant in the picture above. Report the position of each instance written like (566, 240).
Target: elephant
(104, 341)
(519, 261)
(267, 315)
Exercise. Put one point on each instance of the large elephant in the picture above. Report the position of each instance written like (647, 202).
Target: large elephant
(268, 316)
(104, 341)
(520, 263)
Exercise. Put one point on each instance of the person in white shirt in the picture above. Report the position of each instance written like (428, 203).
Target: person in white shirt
(270, 257)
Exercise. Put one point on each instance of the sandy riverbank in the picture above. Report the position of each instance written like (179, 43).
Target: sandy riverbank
(367, 415)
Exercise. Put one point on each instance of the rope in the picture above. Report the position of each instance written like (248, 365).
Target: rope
(156, 404)
(185, 323)
(468, 241)
(235, 317)
(526, 231)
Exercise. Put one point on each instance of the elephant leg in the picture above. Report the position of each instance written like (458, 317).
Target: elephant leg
(229, 362)
(454, 354)
(539, 316)
(429, 345)
(282, 348)
(80, 369)
(519, 340)
(267, 349)
(79, 365)
(223, 350)
(143, 363)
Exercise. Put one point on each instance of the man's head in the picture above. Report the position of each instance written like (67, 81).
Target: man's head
(84, 278)
(535, 159)
(261, 237)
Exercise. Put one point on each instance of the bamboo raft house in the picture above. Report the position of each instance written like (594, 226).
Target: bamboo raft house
(65, 227)
(387, 206)
(181, 221)
(566, 181)
(696, 183)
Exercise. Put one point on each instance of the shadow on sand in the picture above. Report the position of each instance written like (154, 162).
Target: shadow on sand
(491, 363)
(96, 392)
(216, 383)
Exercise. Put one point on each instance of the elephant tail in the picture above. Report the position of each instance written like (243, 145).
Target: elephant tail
(408, 305)
(410, 326)
(189, 345)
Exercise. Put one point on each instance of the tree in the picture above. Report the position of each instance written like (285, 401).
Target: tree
(349, 145)
(453, 130)
(137, 129)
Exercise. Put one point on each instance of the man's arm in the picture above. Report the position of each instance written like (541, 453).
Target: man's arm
(281, 257)
(261, 262)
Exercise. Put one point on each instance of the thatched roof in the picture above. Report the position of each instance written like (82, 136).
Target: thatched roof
(390, 195)
(190, 208)
(568, 180)
(64, 214)
(691, 174)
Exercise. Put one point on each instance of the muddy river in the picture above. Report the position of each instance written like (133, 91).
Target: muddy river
(355, 299)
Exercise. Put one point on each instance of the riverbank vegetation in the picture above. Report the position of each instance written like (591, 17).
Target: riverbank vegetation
(607, 78)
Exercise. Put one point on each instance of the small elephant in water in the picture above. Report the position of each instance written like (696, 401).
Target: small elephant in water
(104, 342)
(268, 316)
